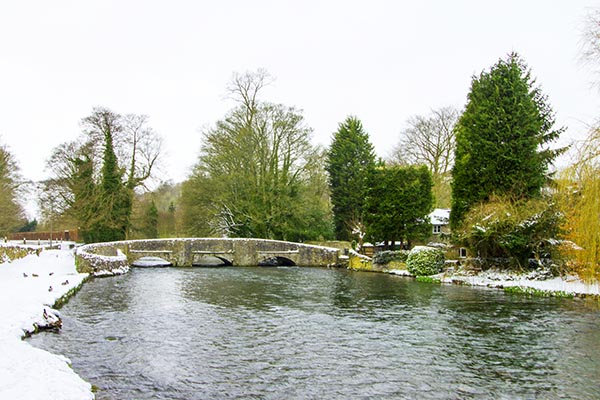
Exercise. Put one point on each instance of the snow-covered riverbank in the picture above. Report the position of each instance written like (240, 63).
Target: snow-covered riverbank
(28, 287)
(570, 285)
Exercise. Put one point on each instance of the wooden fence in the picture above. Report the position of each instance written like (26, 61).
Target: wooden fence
(67, 235)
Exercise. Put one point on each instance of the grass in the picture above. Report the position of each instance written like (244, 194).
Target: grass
(62, 300)
(537, 292)
(427, 279)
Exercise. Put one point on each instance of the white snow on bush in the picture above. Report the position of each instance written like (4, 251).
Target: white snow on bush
(28, 287)
(418, 249)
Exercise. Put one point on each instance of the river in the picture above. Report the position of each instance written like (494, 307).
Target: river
(309, 333)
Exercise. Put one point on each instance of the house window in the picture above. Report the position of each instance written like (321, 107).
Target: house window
(437, 229)
(462, 252)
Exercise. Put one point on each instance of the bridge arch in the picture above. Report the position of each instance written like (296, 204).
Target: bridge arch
(113, 257)
(212, 261)
(276, 261)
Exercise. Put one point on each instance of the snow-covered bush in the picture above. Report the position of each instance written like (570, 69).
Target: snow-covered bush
(424, 261)
(387, 256)
(515, 230)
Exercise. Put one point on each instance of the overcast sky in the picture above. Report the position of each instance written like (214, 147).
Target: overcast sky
(382, 61)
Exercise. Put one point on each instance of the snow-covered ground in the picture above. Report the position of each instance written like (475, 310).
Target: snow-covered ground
(28, 288)
(563, 285)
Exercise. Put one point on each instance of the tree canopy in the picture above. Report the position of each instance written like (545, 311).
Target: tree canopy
(258, 174)
(94, 178)
(351, 165)
(502, 138)
(398, 204)
(430, 140)
(11, 211)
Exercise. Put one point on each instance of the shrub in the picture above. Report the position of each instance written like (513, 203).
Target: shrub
(511, 229)
(387, 256)
(424, 261)
(11, 253)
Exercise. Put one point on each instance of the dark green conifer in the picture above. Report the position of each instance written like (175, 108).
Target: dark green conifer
(398, 204)
(501, 138)
(350, 164)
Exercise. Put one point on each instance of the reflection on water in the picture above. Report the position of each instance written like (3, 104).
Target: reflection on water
(272, 333)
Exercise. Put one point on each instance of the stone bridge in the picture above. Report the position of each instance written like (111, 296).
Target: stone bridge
(111, 257)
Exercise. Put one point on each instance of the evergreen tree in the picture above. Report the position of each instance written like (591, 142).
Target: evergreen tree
(85, 205)
(501, 138)
(350, 164)
(114, 197)
(30, 226)
(398, 204)
(151, 221)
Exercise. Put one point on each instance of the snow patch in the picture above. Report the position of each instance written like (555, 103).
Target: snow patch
(28, 288)
(533, 280)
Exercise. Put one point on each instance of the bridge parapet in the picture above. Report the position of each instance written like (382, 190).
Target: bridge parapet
(117, 256)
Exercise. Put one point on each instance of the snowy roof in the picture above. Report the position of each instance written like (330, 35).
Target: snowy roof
(440, 216)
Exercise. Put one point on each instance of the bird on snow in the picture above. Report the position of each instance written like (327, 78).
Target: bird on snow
(35, 275)
(25, 275)
(65, 282)
(51, 273)
(50, 289)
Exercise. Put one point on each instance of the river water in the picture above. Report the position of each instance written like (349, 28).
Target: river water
(307, 333)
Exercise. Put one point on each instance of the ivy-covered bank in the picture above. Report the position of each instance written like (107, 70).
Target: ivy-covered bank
(426, 264)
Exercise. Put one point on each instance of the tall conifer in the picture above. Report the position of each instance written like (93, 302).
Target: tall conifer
(502, 138)
(350, 164)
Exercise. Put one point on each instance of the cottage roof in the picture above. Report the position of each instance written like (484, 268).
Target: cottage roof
(440, 216)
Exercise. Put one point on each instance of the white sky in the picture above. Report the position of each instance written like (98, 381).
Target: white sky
(382, 61)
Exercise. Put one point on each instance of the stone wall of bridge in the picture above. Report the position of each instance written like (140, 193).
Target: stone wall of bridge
(102, 258)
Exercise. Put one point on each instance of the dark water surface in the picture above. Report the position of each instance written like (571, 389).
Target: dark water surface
(304, 333)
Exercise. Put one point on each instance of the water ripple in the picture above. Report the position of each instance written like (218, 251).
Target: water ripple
(294, 333)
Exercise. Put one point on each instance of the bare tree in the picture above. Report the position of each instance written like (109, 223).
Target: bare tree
(64, 164)
(590, 42)
(137, 146)
(429, 140)
(142, 147)
(244, 88)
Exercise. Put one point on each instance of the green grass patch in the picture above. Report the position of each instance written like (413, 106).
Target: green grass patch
(62, 300)
(396, 265)
(427, 279)
(537, 292)
(360, 264)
